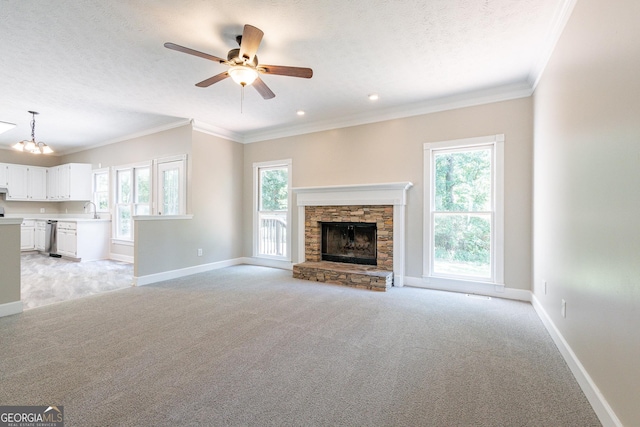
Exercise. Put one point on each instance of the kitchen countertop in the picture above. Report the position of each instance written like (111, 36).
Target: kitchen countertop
(61, 217)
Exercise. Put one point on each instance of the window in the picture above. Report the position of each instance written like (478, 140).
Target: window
(464, 209)
(272, 183)
(101, 189)
(171, 188)
(132, 197)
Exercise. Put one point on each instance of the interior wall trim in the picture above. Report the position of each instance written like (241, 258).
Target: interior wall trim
(120, 257)
(10, 308)
(597, 400)
(459, 286)
(181, 272)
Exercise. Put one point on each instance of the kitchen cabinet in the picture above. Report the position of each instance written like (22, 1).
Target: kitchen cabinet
(86, 240)
(71, 181)
(26, 182)
(52, 184)
(3, 174)
(27, 235)
(67, 239)
(41, 235)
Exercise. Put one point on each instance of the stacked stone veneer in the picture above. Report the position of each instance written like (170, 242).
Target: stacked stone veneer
(379, 277)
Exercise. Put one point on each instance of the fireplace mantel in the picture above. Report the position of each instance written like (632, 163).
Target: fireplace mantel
(393, 193)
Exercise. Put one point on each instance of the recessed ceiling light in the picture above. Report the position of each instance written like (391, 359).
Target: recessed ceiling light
(373, 97)
(300, 113)
(4, 126)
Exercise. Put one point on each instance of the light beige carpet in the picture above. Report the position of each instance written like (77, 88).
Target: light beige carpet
(250, 346)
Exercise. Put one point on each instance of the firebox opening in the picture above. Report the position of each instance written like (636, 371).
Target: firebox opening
(350, 242)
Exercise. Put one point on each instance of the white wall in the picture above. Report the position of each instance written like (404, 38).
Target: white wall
(392, 151)
(587, 196)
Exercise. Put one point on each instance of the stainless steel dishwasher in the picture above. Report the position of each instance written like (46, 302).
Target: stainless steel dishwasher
(51, 239)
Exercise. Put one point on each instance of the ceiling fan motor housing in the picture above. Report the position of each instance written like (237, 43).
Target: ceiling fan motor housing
(234, 56)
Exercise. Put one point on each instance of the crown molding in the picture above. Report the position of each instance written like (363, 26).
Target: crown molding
(140, 134)
(469, 99)
(563, 13)
(217, 131)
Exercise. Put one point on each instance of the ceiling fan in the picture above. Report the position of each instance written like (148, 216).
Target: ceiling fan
(244, 67)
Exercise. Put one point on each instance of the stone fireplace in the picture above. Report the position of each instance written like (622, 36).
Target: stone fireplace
(363, 230)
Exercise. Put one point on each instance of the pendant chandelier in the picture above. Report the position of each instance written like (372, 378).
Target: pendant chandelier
(32, 146)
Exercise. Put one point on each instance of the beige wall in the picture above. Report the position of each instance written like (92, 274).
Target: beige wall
(10, 256)
(587, 197)
(216, 205)
(392, 151)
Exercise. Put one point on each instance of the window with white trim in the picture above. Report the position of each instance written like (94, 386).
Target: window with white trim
(464, 209)
(100, 187)
(272, 213)
(132, 197)
(171, 193)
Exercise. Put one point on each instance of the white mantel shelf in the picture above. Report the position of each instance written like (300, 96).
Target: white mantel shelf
(392, 193)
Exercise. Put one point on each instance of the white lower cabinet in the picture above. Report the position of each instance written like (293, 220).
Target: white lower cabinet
(41, 235)
(28, 235)
(67, 239)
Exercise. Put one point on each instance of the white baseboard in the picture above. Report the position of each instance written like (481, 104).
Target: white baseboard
(174, 274)
(10, 308)
(592, 392)
(460, 286)
(266, 262)
(120, 257)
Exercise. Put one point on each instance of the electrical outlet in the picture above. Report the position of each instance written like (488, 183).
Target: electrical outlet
(199, 252)
(564, 309)
(41, 210)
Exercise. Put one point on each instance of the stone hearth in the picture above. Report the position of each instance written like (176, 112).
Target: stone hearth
(382, 204)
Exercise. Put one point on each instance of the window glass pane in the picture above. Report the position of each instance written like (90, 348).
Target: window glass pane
(102, 201)
(274, 189)
(124, 186)
(462, 244)
(123, 222)
(142, 209)
(171, 192)
(463, 181)
(102, 182)
(142, 185)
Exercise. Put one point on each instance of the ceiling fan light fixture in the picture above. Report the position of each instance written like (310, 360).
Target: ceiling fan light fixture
(243, 75)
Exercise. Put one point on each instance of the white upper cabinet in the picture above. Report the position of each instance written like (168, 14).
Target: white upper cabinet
(26, 183)
(71, 181)
(74, 181)
(18, 182)
(3, 174)
(37, 183)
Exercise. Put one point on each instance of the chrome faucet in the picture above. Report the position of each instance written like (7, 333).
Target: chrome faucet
(95, 209)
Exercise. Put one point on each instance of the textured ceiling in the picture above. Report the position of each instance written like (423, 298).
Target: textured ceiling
(97, 71)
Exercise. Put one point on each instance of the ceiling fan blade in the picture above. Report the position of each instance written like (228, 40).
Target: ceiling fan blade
(251, 38)
(281, 70)
(211, 80)
(263, 89)
(183, 49)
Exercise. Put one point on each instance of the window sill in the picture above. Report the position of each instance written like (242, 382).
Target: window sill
(122, 242)
(160, 217)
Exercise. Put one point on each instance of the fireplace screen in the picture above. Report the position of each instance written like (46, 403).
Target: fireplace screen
(352, 242)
